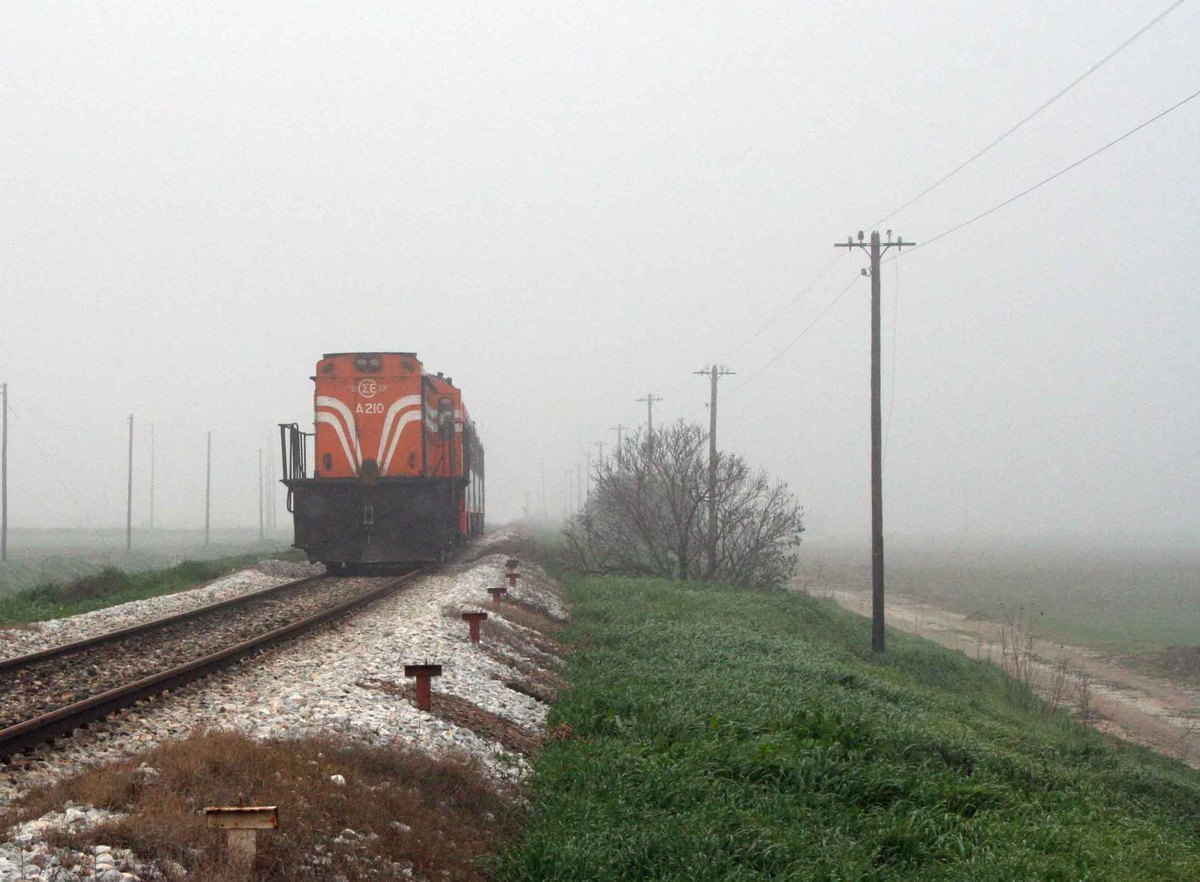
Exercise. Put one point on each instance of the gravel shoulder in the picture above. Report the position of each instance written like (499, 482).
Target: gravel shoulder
(346, 679)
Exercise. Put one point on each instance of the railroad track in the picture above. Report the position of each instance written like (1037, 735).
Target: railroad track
(55, 691)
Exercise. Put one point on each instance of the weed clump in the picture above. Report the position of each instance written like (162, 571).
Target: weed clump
(391, 814)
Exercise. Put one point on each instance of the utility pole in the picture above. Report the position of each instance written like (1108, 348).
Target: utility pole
(876, 252)
(207, 490)
(714, 373)
(4, 474)
(129, 493)
(271, 519)
(619, 428)
(650, 399)
(261, 500)
(579, 490)
(152, 476)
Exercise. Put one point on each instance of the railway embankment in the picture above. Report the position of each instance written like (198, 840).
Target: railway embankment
(711, 733)
(369, 786)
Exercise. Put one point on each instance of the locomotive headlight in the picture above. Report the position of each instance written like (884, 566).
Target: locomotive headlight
(373, 363)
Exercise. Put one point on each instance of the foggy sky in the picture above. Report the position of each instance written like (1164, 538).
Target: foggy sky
(565, 207)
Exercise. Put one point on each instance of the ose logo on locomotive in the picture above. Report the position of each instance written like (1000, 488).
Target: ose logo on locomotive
(368, 388)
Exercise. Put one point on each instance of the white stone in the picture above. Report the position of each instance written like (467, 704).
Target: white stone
(323, 681)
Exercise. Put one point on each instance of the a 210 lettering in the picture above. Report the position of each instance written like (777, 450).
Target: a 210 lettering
(369, 407)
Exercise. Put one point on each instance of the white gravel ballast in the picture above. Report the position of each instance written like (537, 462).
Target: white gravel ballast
(323, 682)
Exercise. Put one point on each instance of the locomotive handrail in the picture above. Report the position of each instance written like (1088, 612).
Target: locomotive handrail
(294, 451)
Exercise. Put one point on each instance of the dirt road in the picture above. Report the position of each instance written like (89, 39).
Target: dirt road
(1152, 711)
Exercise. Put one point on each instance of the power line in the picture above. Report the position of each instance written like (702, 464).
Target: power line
(1075, 82)
(1057, 174)
(794, 300)
(800, 336)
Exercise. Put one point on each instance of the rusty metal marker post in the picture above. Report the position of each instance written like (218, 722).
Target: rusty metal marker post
(497, 594)
(511, 565)
(473, 619)
(423, 673)
(241, 825)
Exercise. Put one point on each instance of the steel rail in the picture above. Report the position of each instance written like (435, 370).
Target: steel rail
(45, 727)
(18, 661)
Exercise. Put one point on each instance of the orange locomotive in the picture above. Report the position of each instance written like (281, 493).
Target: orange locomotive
(397, 465)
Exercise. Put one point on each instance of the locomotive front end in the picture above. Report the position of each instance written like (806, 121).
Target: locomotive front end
(392, 478)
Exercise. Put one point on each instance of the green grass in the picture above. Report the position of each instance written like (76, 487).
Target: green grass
(111, 586)
(721, 734)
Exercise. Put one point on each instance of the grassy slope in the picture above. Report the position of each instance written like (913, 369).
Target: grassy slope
(112, 586)
(720, 734)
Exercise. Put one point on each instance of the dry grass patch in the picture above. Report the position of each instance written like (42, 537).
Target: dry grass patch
(465, 715)
(532, 676)
(398, 812)
(543, 691)
(506, 628)
(528, 615)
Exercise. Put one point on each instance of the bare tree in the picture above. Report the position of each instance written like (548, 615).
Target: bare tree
(645, 515)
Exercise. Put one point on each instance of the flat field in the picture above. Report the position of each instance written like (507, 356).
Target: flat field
(40, 556)
(1135, 600)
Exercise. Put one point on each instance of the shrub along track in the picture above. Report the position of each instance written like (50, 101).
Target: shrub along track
(57, 690)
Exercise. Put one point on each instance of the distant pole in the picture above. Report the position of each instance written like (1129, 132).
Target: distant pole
(271, 494)
(4, 474)
(129, 493)
(650, 399)
(152, 476)
(579, 491)
(261, 500)
(619, 428)
(543, 460)
(207, 490)
(714, 373)
(876, 430)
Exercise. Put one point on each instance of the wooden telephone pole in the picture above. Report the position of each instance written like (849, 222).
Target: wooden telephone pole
(650, 399)
(261, 499)
(129, 493)
(4, 474)
(152, 476)
(619, 428)
(714, 373)
(207, 489)
(876, 252)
